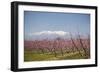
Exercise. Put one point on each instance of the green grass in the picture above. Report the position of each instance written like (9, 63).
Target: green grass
(47, 56)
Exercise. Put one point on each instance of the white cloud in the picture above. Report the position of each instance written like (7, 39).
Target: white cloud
(59, 33)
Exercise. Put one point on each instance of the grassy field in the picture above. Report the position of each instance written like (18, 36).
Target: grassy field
(47, 56)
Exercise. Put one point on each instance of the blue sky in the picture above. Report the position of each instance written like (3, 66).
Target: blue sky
(38, 24)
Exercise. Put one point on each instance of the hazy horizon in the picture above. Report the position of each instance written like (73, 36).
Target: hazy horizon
(51, 25)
